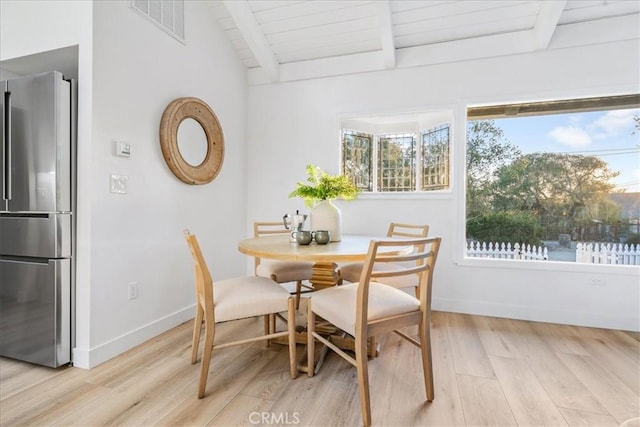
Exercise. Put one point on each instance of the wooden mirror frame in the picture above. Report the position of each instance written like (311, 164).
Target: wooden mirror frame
(198, 110)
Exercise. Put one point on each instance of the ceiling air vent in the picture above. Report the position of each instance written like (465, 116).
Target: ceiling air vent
(166, 14)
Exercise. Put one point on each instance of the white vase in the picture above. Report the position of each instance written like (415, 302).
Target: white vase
(326, 216)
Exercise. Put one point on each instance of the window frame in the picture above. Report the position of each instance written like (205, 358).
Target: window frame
(460, 175)
(439, 113)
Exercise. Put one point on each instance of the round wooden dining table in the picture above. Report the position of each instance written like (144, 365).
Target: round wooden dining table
(325, 257)
(352, 248)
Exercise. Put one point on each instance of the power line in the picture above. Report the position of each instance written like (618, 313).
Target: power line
(610, 151)
(600, 153)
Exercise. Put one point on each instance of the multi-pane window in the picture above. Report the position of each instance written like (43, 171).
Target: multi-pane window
(397, 162)
(357, 157)
(435, 158)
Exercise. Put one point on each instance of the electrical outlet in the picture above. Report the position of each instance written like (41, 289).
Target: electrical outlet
(118, 184)
(598, 282)
(133, 290)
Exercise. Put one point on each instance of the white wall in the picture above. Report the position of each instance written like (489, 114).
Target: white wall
(137, 71)
(132, 72)
(292, 124)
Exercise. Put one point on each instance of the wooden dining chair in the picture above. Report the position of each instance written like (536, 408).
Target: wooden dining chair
(282, 271)
(369, 307)
(234, 299)
(351, 272)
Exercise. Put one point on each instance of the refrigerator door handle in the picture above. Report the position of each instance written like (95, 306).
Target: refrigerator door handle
(6, 147)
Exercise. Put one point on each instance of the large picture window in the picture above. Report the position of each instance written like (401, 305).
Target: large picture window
(555, 181)
(397, 154)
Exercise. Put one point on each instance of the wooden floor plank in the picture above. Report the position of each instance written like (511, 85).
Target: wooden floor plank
(612, 394)
(561, 338)
(446, 409)
(226, 380)
(464, 340)
(112, 403)
(529, 402)
(16, 375)
(484, 401)
(587, 419)
(608, 354)
(304, 396)
(246, 410)
(341, 406)
(495, 338)
(564, 387)
(177, 389)
(404, 380)
(29, 402)
(485, 369)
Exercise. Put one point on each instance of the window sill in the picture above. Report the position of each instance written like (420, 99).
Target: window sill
(561, 266)
(392, 195)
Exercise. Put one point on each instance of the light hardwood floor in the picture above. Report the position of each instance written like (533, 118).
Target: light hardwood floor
(488, 371)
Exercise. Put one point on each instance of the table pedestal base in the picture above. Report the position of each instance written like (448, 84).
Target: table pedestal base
(325, 275)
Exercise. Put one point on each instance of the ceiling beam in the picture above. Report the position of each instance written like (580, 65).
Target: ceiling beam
(546, 23)
(496, 45)
(386, 34)
(248, 26)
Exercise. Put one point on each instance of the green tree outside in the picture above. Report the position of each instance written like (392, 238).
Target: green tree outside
(506, 190)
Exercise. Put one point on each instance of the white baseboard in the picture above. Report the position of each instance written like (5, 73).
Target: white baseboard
(524, 312)
(90, 358)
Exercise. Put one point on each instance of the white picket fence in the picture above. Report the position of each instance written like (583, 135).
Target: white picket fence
(504, 250)
(608, 253)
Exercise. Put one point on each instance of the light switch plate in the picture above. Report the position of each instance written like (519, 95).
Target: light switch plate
(119, 184)
(121, 148)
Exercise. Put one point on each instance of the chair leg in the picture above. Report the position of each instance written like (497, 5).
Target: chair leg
(427, 366)
(266, 324)
(269, 327)
(298, 292)
(311, 342)
(373, 352)
(363, 379)
(209, 335)
(291, 327)
(197, 328)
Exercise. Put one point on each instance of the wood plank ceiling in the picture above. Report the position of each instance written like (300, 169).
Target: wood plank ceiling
(288, 40)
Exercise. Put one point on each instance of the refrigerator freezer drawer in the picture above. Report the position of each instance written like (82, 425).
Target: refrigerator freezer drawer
(35, 307)
(35, 235)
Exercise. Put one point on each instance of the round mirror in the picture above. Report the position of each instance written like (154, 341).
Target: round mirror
(192, 142)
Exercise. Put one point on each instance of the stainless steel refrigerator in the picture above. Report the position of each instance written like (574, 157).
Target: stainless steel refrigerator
(36, 218)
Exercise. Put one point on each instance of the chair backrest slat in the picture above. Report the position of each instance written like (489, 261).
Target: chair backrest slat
(397, 229)
(262, 228)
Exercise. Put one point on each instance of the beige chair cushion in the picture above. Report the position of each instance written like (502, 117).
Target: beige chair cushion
(351, 273)
(339, 304)
(285, 271)
(243, 297)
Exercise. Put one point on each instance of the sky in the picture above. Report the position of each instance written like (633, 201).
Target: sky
(608, 135)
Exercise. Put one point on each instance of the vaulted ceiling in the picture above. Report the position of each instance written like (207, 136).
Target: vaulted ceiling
(290, 40)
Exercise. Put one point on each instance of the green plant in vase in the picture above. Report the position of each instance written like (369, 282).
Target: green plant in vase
(318, 192)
